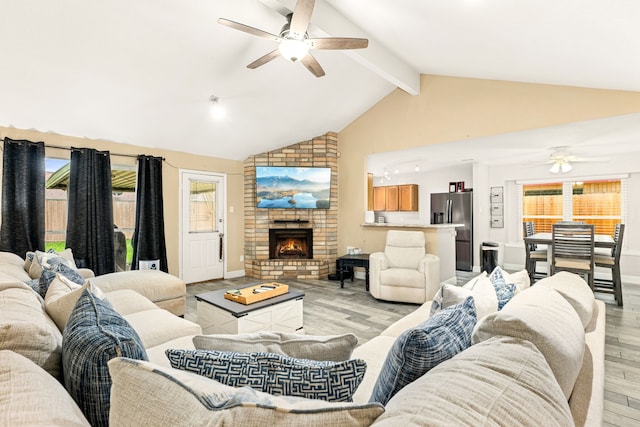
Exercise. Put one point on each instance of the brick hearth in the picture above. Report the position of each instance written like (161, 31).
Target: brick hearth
(321, 151)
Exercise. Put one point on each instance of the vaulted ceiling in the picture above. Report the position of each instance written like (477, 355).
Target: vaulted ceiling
(142, 72)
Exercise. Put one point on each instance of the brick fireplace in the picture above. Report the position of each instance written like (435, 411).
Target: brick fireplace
(317, 227)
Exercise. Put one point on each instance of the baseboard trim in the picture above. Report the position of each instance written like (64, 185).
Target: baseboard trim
(234, 274)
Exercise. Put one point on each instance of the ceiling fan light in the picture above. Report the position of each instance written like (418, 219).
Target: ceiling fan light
(565, 167)
(293, 49)
(555, 168)
(217, 111)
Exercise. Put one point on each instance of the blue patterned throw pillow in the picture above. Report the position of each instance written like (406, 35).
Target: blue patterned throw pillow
(95, 334)
(275, 374)
(505, 291)
(416, 351)
(61, 266)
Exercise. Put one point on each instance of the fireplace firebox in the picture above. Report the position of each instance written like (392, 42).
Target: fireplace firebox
(286, 243)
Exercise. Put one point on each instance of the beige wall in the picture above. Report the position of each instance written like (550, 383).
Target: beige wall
(170, 173)
(453, 109)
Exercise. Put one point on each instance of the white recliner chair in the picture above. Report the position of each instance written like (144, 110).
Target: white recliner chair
(404, 272)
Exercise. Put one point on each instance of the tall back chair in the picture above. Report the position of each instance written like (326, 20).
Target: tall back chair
(533, 253)
(572, 250)
(404, 272)
(613, 286)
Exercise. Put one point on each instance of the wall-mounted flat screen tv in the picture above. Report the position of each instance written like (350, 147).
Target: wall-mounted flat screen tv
(293, 187)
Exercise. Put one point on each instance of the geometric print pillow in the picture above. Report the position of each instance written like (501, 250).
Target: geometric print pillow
(505, 291)
(275, 374)
(421, 348)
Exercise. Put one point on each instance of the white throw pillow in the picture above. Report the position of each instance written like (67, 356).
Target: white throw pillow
(60, 301)
(481, 289)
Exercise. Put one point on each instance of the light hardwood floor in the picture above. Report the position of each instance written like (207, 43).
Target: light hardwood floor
(329, 310)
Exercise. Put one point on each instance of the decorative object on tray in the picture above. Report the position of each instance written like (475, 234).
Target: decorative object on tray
(256, 293)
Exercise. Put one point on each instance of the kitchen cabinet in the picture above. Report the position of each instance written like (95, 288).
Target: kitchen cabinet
(396, 198)
(391, 198)
(379, 198)
(408, 197)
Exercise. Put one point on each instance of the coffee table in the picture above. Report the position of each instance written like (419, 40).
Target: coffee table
(218, 315)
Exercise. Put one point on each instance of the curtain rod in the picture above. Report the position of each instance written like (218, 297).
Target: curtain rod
(135, 156)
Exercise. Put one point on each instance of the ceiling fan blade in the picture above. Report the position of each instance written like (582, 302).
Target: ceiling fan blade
(301, 18)
(312, 65)
(247, 29)
(337, 43)
(264, 59)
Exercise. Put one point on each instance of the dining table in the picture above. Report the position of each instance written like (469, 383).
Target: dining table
(600, 241)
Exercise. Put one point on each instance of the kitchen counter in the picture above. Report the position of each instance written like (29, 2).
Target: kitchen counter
(403, 225)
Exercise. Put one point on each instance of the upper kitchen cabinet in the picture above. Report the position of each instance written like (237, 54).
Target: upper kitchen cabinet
(408, 197)
(396, 198)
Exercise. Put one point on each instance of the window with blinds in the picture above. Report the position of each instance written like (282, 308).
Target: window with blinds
(542, 204)
(593, 202)
(598, 203)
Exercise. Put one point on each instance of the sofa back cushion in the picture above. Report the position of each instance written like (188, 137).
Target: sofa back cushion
(95, 334)
(543, 317)
(334, 348)
(575, 290)
(501, 381)
(26, 329)
(423, 347)
(178, 398)
(29, 396)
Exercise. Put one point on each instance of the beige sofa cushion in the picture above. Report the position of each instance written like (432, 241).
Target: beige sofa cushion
(412, 319)
(196, 400)
(126, 302)
(153, 284)
(374, 352)
(502, 381)
(335, 348)
(575, 290)
(13, 272)
(542, 316)
(26, 329)
(62, 296)
(155, 327)
(29, 396)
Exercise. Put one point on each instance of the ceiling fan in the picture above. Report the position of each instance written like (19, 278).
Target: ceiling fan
(560, 160)
(294, 42)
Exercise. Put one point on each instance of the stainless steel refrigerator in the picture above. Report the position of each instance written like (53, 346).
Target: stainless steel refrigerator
(456, 208)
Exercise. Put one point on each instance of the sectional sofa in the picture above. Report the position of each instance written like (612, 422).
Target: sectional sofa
(537, 361)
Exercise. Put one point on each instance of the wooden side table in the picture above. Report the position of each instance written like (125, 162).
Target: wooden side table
(346, 261)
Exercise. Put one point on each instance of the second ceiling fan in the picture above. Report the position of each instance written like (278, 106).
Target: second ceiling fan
(294, 42)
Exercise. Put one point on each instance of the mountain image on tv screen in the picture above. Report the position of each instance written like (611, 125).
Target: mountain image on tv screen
(293, 187)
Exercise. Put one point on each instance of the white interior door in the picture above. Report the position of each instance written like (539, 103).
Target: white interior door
(202, 226)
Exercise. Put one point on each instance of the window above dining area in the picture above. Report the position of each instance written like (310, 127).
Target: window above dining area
(597, 202)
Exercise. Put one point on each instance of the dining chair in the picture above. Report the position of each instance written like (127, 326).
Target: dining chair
(611, 262)
(533, 253)
(572, 250)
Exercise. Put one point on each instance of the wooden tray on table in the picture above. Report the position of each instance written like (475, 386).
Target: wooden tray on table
(256, 293)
